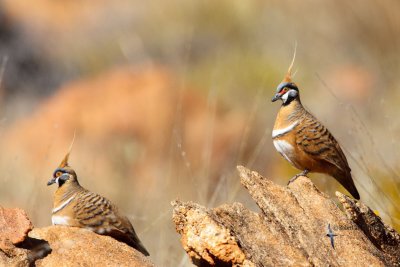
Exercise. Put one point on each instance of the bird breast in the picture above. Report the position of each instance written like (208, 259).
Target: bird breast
(63, 204)
(60, 220)
(285, 130)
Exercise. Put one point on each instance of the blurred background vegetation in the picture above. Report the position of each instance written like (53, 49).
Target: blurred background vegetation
(167, 97)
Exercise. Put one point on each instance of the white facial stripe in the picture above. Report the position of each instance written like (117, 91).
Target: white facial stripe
(57, 180)
(65, 203)
(278, 132)
(285, 96)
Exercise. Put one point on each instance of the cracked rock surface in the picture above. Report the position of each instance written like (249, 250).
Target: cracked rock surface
(290, 230)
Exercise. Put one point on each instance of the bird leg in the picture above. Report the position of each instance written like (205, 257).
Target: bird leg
(303, 173)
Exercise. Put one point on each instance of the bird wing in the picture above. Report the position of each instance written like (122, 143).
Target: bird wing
(316, 140)
(100, 215)
(93, 210)
(121, 229)
(97, 212)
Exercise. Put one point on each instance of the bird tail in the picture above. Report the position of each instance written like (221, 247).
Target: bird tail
(347, 181)
(130, 238)
(137, 244)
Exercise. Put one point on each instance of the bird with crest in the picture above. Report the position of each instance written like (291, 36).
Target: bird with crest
(78, 207)
(304, 141)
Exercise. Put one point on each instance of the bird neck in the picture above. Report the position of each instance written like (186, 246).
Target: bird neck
(66, 191)
(289, 113)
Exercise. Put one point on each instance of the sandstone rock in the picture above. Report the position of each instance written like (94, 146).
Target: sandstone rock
(14, 224)
(290, 230)
(203, 238)
(381, 235)
(16, 248)
(302, 213)
(11, 255)
(80, 247)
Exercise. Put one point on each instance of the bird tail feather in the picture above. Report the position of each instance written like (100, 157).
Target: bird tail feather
(348, 183)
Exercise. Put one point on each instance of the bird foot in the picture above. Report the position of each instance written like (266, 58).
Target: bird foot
(303, 173)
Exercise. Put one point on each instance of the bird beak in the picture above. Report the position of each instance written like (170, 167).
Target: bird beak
(276, 97)
(51, 181)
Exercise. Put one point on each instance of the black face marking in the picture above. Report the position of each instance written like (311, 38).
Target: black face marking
(61, 176)
(290, 96)
(287, 92)
(62, 179)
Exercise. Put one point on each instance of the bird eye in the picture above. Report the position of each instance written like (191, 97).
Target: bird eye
(58, 174)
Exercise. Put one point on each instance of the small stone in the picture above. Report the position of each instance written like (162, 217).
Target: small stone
(14, 224)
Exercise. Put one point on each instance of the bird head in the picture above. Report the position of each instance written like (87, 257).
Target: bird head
(287, 90)
(64, 174)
